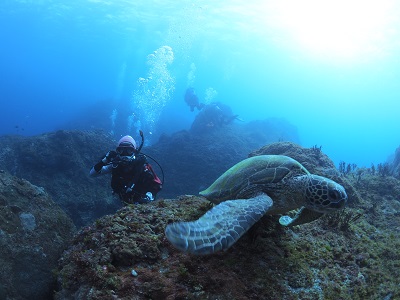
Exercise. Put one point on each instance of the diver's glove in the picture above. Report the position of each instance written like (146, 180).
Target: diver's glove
(109, 157)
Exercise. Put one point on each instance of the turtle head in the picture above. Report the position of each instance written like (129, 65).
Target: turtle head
(324, 195)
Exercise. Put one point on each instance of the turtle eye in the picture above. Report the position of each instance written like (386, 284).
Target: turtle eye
(334, 195)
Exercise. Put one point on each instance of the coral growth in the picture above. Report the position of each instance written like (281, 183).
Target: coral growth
(350, 256)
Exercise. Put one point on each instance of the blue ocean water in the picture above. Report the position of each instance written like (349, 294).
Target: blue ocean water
(332, 71)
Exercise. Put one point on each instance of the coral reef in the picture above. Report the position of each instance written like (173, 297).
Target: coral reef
(350, 255)
(60, 162)
(33, 233)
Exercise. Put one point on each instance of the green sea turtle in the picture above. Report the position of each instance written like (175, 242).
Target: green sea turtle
(273, 184)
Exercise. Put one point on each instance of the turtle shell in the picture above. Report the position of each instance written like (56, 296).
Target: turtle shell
(252, 172)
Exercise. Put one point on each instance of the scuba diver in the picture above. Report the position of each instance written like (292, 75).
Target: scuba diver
(212, 116)
(192, 100)
(133, 178)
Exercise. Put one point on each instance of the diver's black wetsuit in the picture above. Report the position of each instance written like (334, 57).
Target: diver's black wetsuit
(131, 179)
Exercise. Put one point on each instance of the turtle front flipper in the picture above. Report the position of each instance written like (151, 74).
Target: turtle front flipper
(220, 227)
(304, 215)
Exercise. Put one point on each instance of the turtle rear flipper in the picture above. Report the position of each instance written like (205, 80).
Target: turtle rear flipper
(220, 227)
(304, 215)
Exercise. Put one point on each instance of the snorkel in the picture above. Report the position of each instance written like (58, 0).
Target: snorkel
(142, 143)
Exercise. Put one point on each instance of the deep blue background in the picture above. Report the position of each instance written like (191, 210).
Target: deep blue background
(69, 64)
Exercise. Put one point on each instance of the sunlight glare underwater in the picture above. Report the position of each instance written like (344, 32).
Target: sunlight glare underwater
(341, 29)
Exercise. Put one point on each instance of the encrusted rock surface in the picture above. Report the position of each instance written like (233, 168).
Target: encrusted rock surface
(34, 231)
(352, 254)
(60, 162)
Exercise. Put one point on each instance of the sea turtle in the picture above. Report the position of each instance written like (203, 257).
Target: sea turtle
(272, 184)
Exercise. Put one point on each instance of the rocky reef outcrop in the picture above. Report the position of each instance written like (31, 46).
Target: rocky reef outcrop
(60, 162)
(395, 163)
(34, 231)
(351, 254)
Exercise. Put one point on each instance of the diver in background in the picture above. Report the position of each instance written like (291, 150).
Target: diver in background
(212, 116)
(192, 100)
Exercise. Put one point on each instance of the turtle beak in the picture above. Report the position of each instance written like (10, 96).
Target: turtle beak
(338, 205)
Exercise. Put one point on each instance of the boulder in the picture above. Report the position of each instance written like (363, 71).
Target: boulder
(60, 163)
(34, 231)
